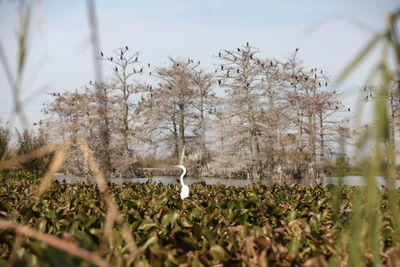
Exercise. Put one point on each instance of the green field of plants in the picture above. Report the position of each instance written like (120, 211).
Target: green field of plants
(280, 225)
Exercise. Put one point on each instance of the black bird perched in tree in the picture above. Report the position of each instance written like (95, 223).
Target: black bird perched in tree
(272, 64)
(136, 59)
(116, 69)
(169, 87)
(126, 47)
(216, 71)
(297, 49)
(238, 70)
(148, 65)
(141, 69)
(238, 49)
(198, 62)
(90, 82)
(319, 84)
(321, 71)
(111, 58)
(251, 56)
(262, 65)
(326, 84)
(219, 82)
(222, 67)
(150, 73)
(101, 53)
(248, 84)
(247, 44)
(348, 109)
(219, 54)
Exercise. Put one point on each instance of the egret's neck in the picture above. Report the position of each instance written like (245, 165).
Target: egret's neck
(183, 174)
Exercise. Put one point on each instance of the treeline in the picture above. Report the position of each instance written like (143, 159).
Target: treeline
(250, 116)
(26, 142)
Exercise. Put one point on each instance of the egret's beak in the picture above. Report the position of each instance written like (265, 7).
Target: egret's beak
(175, 166)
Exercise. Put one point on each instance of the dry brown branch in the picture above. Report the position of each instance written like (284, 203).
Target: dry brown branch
(40, 152)
(13, 256)
(53, 241)
(182, 156)
(134, 250)
(113, 214)
(112, 210)
(55, 165)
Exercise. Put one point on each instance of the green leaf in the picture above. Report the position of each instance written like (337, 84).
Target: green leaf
(217, 252)
(146, 225)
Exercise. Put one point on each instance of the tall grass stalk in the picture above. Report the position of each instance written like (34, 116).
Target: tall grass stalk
(364, 229)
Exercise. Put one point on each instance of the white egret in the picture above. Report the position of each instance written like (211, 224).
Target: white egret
(185, 188)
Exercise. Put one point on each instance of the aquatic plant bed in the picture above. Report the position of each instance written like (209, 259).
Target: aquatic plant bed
(255, 225)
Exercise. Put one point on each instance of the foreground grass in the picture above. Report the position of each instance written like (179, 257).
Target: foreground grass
(253, 225)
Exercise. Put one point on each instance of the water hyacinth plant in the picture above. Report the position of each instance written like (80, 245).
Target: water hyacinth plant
(253, 225)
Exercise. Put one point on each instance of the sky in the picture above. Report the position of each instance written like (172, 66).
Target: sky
(60, 53)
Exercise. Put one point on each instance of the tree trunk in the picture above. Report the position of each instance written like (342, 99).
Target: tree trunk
(278, 145)
(105, 157)
(181, 128)
(314, 123)
(203, 136)
(125, 114)
(252, 130)
(176, 142)
(298, 115)
(321, 136)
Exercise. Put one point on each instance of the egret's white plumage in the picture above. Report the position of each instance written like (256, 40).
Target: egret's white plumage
(185, 188)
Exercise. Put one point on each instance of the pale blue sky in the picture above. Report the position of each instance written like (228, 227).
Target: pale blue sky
(60, 53)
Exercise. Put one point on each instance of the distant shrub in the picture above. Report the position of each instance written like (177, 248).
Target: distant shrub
(4, 140)
(28, 141)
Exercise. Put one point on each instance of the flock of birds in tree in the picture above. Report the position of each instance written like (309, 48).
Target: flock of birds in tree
(185, 188)
(262, 64)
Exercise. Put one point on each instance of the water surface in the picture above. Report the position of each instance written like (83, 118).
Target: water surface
(347, 180)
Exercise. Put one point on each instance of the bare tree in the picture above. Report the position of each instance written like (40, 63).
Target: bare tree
(294, 70)
(168, 108)
(205, 100)
(126, 66)
(238, 73)
(275, 116)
